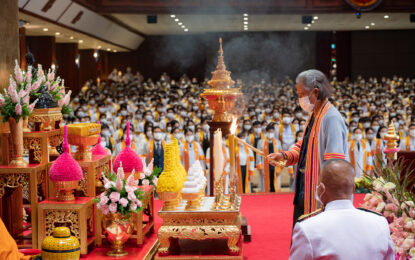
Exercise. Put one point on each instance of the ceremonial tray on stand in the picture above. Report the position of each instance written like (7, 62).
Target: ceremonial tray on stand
(203, 233)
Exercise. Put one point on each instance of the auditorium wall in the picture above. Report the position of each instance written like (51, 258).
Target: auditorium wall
(383, 53)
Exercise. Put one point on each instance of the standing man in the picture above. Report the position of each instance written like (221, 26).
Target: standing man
(325, 137)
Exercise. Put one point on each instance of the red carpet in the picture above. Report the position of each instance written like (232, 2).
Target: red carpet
(270, 218)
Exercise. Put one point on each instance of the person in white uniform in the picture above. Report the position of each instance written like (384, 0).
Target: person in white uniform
(341, 231)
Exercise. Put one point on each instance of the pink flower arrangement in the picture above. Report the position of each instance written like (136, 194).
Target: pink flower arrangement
(149, 174)
(400, 214)
(121, 195)
(14, 102)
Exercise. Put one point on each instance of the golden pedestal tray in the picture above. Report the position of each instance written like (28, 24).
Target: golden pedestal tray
(45, 119)
(201, 224)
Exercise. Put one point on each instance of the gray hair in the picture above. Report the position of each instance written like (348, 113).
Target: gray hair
(312, 79)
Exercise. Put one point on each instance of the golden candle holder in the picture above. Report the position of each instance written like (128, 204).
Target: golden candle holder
(221, 96)
(45, 119)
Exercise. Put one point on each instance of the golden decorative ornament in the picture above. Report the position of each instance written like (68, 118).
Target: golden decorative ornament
(61, 246)
(221, 96)
(16, 138)
(118, 229)
(45, 118)
(83, 136)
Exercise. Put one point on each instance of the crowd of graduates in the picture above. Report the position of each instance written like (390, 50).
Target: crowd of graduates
(269, 118)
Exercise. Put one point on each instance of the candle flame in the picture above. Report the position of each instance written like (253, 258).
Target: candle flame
(233, 125)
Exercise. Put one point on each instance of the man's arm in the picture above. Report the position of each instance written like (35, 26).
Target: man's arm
(335, 138)
(301, 247)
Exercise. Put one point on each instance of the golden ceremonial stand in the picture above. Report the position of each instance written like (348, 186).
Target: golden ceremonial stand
(196, 229)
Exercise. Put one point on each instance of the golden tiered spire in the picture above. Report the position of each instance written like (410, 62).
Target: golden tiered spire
(221, 78)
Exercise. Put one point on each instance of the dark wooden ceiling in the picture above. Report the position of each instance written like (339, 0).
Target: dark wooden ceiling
(236, 6)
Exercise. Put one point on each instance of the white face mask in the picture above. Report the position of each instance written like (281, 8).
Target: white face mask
(370, 136)
(257, 130)
(305, 103)
(286, 120)
(412, 132)
(247, 127)
(148, 118)
(190, 138)
(158, 136)
(177, 136)
(318, 197)
(270, 135)
(149, 134)
(205, 128)
(192, 127)
(366, 125)
(358, 137)
(382, 135)
(375, 128)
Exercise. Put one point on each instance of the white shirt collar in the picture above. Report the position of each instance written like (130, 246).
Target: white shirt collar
(339, 204)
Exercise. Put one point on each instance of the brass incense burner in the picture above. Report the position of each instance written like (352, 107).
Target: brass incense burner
(221, 96)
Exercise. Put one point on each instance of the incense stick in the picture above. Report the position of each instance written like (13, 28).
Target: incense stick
(256, 150)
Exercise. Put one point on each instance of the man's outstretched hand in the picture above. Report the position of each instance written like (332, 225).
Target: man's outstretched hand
(275, 157)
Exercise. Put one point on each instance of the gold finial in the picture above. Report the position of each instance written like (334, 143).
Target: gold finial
(221, 78)
(391, 143)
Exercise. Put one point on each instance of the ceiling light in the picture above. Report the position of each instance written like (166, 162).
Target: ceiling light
(71, 37)
(95, 54)
(172, 16)
(183, 26)
(245, 15)
(313, 21)
(386, 16)
(306, 28)
(108, 49)
(80, 41)
(309, 25)
(315, 17)
(57, 33)
(45, 29)
(99, 47)
(245, 22)
(176, 20)
(246, 18)
(372, 24)
(367, 27)
(245, 29)
(115, 50)
(186, 30)
(180, 23)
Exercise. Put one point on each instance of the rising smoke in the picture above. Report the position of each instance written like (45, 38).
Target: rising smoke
(249, 56)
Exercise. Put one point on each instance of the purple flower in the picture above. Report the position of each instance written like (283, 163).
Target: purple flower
(114, 196)
(124, 202)
(18, 109)
(113, 207)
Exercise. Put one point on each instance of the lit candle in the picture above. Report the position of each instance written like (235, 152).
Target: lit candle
(232, 150)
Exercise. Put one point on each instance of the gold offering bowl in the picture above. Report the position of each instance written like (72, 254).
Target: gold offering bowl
(169, 198)
(193, 202)
(221, 101)
(65, 190)
(46, 119)
(83, 143)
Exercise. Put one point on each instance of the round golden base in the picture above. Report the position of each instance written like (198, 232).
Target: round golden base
(83, 155)
(117, 252)
(18, 162)
(192, 205)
